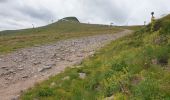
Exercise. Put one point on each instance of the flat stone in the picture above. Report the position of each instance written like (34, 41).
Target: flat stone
(53, 84)
(20, 68)
(5, 68)
(109, 98)
(154, 61)
(79, 55)
(25, 76)
(9, 78)
(66, 78)
(78, 63)
(44, 68)
(69, 60)
(78, 66)
(82, 75)
(54, 56)
(58, 58)
(16, 97)
(37, 63)
(11, 71)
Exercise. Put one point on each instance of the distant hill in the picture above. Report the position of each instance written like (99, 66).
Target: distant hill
(65, 21)
(70, 19)
(68, 27)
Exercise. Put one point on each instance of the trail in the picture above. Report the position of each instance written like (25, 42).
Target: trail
(22, 69)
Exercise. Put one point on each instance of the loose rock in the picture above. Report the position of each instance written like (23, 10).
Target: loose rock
(82, 75)
(66, 78)
(44, 68)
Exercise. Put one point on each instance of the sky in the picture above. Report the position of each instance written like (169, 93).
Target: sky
(19, 14)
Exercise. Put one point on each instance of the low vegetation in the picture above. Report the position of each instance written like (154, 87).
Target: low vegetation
(136, 67)
(64, 29)
(134, 27)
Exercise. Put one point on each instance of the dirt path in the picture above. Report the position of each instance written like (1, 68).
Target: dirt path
(22, 69)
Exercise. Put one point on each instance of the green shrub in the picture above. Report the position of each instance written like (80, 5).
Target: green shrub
(45, 92)
(147, 90)
(119, 65)
(166, 28)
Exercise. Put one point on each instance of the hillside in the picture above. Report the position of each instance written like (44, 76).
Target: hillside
(136, 67)
(70, 19)
(15, 39)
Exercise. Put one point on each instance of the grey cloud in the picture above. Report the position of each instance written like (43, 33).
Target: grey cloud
(105, 10)
(22, 13)
(41, 13)
(3, 1)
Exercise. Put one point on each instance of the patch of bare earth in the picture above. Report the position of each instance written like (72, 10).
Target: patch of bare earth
(22, 69)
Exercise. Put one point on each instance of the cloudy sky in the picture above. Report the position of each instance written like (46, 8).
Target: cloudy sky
(18, 14)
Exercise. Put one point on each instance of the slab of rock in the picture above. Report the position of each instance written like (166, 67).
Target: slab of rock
(44, 68)
(37, 63)
(20, 68)
(5, 68)
(25, 76)
(16, 97)
(82, 75)
(52, 84)
(66, 78)
(109, 98)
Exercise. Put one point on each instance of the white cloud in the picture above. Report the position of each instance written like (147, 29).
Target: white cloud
(16, 14)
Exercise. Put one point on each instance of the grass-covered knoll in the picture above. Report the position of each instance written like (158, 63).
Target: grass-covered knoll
(13, 40)
(136, 67)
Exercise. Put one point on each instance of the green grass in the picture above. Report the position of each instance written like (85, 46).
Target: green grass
(14, 40)
(134, 27)
(136, 67)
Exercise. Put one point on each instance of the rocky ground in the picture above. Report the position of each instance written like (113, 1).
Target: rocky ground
(22, 69)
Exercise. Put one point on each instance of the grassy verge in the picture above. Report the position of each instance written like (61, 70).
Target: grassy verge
(135, 27)
(136, 67)
(14, 40)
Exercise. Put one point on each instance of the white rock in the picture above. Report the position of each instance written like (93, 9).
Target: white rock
(82, 75)
(53, 84)
(66, 78)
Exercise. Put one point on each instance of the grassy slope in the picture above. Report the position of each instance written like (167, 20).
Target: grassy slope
(13, 40)
(136, 67)
(134, 27)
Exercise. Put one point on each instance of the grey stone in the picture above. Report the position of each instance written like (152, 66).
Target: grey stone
(66, 78)
(82, 75)
(11, 71)
(16, 97)
(69, 60)
(25, 76)
(80, 55)
(154, 61)
(44, 68)
(5, 68)
(109, 98)
(37, 63)
(9, 78)
(52, 84)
